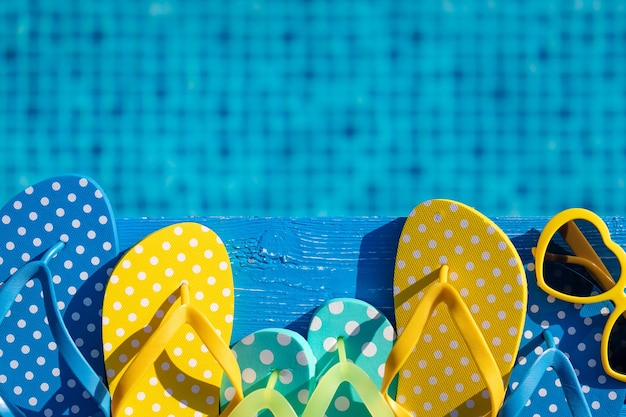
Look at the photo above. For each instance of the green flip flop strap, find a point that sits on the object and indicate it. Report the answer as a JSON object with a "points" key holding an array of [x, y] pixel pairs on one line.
{"points": [[341, 372], [346, 372], [263, 399]]}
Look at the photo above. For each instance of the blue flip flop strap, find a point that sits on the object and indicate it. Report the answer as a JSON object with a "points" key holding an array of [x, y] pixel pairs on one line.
{"points": [[67, 348], [8, 409], [556, 359]]}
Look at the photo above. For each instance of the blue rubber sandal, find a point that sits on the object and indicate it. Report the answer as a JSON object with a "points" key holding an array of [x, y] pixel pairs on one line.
{"points": [[578, 330], [551, 357], [58, 240]]}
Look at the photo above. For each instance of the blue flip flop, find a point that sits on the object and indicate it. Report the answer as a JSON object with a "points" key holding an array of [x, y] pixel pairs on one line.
{"points": [[550, 359], [58, 241], [577, 330]]}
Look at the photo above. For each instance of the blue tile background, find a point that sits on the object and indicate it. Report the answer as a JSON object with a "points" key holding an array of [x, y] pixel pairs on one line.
{"points": [[318, 107]]}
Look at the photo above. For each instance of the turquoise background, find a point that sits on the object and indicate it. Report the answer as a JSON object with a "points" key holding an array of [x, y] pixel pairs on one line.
{"points": [[305, 108]]}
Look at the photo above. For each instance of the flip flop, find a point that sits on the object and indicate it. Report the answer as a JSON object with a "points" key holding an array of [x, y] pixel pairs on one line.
{"points": [[277, 367], [460, 303], [351, 341], [565, 380], [58, 239], [167, 322], [578, 329]]}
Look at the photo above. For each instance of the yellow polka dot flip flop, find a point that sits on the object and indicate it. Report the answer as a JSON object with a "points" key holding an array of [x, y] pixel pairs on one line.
{"points": [[460, 303], [167, 322]]}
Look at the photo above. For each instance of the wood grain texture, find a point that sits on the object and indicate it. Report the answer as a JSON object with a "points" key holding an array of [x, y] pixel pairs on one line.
{"points": [[284, 268]]}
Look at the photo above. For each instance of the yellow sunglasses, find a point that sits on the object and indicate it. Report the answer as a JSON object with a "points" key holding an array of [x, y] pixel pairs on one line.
{"points": [[576, 261]]}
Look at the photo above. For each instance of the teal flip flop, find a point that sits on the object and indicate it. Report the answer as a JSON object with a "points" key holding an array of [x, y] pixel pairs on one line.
{"points": [[277, 369], [351, 341], [550, 359], [58, 239]]}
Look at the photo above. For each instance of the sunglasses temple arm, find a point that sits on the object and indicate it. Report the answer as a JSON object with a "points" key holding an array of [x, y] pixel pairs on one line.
{"points": [[581, 246], [604, 280]]}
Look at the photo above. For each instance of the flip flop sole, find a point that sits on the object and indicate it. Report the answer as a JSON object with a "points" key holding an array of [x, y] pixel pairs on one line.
{"points": [[74, 210], [440, 377], [143, 288]]}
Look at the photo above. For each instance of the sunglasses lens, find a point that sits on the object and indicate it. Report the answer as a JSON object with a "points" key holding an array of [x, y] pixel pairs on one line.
{"points": [[570, 266], [617, 346]]}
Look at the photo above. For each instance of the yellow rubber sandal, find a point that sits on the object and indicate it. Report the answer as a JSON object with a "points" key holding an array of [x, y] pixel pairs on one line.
{"points": [[460, 302], [167, 321]]}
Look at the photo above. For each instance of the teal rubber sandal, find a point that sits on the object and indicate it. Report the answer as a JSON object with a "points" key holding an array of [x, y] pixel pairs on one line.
{"points": [[551, 358], [58, 240], [351, 341], [277, 369]]}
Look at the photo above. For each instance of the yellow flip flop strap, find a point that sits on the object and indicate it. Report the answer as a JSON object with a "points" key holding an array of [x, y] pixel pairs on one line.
{"points": [[156, 344], [442, 292], [582, 248]]}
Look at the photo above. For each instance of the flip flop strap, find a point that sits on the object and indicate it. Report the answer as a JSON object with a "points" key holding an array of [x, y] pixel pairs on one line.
{"points": [[263, 399], [9, 410], [364, 386], [157, 342], [67, 348], [442, 292], [556, 359]]}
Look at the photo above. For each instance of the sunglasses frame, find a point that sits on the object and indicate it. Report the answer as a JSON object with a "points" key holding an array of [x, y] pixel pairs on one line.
{"points": [[613, 291]]}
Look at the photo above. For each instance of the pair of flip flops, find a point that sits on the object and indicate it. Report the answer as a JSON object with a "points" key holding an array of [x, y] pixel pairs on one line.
{"points": [[336, 371], [67, 327], [171, 365]]}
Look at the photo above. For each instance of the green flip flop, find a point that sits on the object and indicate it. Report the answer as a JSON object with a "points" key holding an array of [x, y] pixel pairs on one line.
{"points": [[351, 341], [277, 369]]}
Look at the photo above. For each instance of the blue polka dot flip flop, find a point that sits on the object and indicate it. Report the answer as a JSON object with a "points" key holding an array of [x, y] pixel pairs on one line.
{"points": [[351, 341], [550, 359], [578, 331], [167, 319], [277, 368], [460, 302], [58, 238]]}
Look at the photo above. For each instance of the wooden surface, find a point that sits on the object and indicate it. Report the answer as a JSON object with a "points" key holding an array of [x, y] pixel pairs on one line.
{"points": [[285, 267]]}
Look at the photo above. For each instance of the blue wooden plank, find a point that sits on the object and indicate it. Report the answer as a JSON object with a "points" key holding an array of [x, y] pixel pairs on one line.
{"points": [[284, 268]]}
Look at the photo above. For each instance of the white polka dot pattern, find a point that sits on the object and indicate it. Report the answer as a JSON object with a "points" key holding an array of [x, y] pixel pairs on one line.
{"points": [[440, 377], [577, 330], [143, 289], [368, 338], [73, 210], [268, 350]]}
